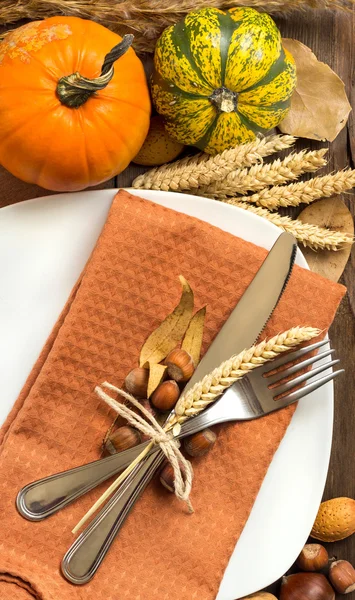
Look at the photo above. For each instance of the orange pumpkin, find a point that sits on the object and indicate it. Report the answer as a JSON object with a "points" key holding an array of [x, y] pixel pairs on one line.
{"points": [[74, 103]]}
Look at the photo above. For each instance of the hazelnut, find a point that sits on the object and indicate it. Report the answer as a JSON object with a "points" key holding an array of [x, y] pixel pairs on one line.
{"points": [[310, 586], [136, 382], [166, 395], [180, 365], [200, 443], [167, 477], [313, 557], [342, 576], [123, 438]]}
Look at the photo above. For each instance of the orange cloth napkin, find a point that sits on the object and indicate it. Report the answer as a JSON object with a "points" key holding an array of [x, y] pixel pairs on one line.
{"points": [[129, 285]]}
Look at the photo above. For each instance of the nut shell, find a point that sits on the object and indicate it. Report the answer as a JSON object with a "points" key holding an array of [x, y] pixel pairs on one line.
{"points": [[313, 557], [158, 147], [306, 586], [200, 443], [136, 382], [123, 438], [180, 365], [166, 395], [167, 477], [335, 520], [342, 576]]}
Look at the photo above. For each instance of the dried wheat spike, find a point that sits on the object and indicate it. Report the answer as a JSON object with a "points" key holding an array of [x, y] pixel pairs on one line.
{"points": [[312, 236], [303, 192], [215, 383], [146, 19], [192, 172], [260, 176]]}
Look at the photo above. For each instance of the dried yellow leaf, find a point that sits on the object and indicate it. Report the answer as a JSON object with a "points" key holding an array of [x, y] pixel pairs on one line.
{"points": [[331, 213], [319, 105], [156, 375], [170, 332], [192, 341]]}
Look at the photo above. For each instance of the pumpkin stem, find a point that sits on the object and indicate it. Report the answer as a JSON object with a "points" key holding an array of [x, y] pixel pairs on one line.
{"points": [[75, 89], [224, 99]]}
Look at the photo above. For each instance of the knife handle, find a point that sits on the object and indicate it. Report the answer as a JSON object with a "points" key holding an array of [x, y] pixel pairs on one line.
{"points": [[86, 554]]}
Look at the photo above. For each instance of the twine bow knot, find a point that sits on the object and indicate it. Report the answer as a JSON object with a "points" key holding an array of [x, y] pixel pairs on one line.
{"points": [[162, 436]]}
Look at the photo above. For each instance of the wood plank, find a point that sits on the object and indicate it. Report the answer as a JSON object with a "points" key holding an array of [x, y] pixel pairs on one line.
{"points": [[13, 190]]}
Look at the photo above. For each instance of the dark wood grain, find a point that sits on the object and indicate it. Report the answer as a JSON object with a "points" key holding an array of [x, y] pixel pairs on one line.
{"points": [[12, 190], [331, 36]]}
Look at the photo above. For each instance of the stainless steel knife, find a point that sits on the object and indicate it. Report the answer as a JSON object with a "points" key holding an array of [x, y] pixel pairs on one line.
{"points": [[45, 497]]}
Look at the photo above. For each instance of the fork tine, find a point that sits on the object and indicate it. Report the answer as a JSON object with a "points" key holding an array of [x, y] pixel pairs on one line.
{"points": [[307, 389], [289, 385], [290, 357], [301, 365]]}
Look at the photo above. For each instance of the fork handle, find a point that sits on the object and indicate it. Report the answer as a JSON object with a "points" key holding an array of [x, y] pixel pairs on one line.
{"points": [[86, 554], [44, 497]]}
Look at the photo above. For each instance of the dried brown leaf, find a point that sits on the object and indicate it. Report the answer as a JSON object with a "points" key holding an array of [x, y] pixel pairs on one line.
{"points": [[319, 105], [170, 332], [192, 341], [334, 214], [156, 375]]}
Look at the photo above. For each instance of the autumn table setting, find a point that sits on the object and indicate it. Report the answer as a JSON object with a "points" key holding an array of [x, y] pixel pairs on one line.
{"points": [[176, 240]]}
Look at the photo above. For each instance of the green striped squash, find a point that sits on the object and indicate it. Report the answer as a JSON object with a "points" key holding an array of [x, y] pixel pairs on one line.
{"points": [[221, 77]]}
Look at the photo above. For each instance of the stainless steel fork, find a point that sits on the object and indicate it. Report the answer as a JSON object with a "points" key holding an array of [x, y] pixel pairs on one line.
{"points": [[40, 499], [257, 394]]}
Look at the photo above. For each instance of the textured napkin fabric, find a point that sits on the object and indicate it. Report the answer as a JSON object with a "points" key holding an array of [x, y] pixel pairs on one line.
{"points": [[128, 287]]}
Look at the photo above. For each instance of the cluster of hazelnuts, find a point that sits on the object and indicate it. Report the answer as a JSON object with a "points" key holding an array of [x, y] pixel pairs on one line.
{"points": [[179, 369], [319, 577]]}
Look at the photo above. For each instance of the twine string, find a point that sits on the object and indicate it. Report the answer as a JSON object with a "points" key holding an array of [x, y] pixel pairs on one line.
{"points": [[149, 426]]}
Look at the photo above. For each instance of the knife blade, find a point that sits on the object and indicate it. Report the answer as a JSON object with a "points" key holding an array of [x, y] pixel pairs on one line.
{"points": [[255, 307], [44, 497]]}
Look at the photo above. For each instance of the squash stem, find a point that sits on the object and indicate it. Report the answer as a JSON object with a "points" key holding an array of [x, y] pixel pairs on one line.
{"points": [[75, 89], [224, 99]]}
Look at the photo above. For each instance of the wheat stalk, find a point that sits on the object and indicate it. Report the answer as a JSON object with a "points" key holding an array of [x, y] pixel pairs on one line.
{"points": [[303, 192], [209, 388], [311, 236], [203, 169], [146, 19], [259, 176]]}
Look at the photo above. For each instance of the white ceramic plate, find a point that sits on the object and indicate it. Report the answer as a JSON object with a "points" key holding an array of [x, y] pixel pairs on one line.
{"points": [[44, 244]]}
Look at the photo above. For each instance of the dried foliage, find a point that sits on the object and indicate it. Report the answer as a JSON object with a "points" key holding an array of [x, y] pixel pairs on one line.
{"points": [[319, 105], [303, 192], [145, 18], [202, 169], [259, 176], [330, 213], [310, 235]]}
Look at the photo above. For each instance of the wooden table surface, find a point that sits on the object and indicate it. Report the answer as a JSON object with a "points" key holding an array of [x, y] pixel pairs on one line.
{"points": [[331, 36]]}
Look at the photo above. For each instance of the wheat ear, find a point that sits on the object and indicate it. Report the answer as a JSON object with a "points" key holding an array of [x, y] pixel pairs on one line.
{"points": [[215, 383], [303, 192], [312, 236], [202, 169], [146, 19], [259, 176]]}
